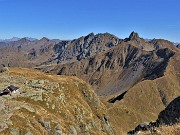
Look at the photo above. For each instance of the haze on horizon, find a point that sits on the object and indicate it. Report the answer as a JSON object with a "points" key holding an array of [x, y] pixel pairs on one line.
{"points": [[69, 19]]}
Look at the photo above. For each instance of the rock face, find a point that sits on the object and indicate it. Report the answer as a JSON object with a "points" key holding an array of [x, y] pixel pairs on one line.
{"points": [[85, 46], [171, 114], [133, 36], [178, 46], [51, 105], [168, 117]]}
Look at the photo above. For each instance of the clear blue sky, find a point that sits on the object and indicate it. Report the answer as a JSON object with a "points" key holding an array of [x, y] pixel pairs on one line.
{"points": [[68, 19]]}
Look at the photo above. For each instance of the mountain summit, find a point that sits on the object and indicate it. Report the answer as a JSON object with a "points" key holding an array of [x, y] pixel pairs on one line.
{"points": [[134, 36], [44, 39]]}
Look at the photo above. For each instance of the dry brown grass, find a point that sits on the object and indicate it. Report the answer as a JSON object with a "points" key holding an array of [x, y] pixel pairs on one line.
{"points": [[73, 103]]}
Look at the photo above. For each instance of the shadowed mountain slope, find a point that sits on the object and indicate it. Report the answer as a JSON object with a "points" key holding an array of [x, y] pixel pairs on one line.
{"points": [[145, 100], [178, 46], [171, 114], [167, 122]]}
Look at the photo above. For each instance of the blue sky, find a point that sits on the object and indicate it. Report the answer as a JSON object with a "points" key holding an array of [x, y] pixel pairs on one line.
{"points": [[69, 19]]}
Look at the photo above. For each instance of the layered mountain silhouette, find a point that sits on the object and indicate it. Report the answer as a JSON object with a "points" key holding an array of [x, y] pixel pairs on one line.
{"points": [[57, 51]]}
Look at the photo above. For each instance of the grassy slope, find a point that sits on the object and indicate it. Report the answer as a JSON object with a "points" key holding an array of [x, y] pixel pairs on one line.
{"points": [[66, 104], [144, 101]]}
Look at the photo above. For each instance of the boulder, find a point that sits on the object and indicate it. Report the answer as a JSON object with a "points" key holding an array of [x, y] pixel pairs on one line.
{"points": [[4, 69]]}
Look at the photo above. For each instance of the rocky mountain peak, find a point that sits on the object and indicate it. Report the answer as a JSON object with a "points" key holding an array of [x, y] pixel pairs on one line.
{"points": [[44, 39], [23, 40], [134, 36], [89, 36]]}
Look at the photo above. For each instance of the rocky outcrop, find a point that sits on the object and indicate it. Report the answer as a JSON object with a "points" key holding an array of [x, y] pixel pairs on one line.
{"points": [[4, 69], [171, 114], [32, 54], [178, 46], [168, 117], [85, 46], [133, 36], [161, 43]]}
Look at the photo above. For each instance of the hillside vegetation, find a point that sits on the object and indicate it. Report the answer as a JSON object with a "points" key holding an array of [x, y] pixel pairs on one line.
{"points": [[50, 105]]}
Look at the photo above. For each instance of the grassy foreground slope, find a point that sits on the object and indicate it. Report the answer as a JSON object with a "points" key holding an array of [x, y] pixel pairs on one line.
{"points": [[48, 104]]}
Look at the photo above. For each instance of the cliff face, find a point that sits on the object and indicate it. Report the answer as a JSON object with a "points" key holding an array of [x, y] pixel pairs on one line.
{"points": [[171, 114], [85, 46], [50, 104]]}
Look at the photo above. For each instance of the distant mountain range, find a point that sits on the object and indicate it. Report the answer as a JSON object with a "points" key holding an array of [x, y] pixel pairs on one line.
{"points": [[10, 40], [34, 39], [16, 39], [176, 43]]}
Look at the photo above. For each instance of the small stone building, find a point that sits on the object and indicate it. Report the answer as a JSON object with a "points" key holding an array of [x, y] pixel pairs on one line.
{"points": [[10, 90]]}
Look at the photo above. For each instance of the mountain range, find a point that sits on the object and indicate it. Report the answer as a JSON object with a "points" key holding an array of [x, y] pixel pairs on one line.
{"points": [[16, 39], [125, 82]]}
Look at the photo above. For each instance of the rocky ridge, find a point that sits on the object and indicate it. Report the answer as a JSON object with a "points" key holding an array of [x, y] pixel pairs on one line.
{"points": [[26, 53], [127, 63], [33, 53]]}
